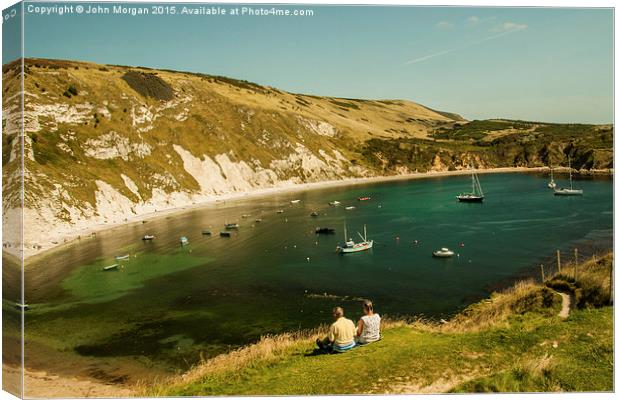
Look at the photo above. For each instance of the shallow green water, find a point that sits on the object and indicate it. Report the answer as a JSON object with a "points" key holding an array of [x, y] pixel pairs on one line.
{"points": [[169, 304]]}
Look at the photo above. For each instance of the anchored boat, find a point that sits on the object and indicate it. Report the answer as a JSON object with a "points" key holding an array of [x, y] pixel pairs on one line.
{"points": [[551, 184], [476, 195], [351, 247], [334, 203], [148, 237], [110, 267], [568, 191], [231, 226], [119, 258], [444, 252], [184, 240], [324, 231]]}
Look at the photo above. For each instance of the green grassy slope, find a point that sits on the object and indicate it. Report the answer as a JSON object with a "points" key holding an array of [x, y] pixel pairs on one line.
{"points": [[513, 342]]}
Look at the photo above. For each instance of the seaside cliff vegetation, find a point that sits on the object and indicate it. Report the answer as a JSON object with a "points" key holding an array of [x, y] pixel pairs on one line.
{"points": [[518, 340]]}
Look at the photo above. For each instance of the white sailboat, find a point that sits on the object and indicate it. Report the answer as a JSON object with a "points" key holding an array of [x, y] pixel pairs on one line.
{"points": [[551, 183], [476, 195], [568, 191], [351, 247]]}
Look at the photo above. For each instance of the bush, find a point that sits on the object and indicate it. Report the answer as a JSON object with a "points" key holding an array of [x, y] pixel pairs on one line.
{"points": [[73, 90]]}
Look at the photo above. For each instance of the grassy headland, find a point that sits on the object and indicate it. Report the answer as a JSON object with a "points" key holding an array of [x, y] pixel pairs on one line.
{"points": [[515, 341]]}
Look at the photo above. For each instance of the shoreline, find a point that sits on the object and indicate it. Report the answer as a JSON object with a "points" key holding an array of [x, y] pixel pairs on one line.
{"points": [[73, 237]]}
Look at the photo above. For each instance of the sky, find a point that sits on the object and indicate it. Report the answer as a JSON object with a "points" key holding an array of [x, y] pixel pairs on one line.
{"points": [[538, 64]]}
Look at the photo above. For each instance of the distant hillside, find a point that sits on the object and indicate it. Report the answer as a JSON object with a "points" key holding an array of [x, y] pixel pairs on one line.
{"points": [[104, 142]]}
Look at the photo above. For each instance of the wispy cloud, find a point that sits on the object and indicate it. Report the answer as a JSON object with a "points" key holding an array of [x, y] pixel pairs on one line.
{"points": [[509, 26], [502, 30], [444, 25], [473, 20]]}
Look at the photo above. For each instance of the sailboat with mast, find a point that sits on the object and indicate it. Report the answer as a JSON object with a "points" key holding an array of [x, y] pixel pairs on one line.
{"points": [[476, 195], [568, 191], [551, 183], [351, 247]]}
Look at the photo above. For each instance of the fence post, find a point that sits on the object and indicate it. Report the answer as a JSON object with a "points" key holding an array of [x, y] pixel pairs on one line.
{"points": [[542, 272], [559, 263], [575, 267]]}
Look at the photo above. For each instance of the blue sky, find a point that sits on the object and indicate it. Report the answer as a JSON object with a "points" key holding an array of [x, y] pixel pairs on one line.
{"points": [[524, 63]]}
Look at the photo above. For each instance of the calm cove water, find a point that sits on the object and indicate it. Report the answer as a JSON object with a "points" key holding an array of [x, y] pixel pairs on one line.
{"points": [[168, 304]]}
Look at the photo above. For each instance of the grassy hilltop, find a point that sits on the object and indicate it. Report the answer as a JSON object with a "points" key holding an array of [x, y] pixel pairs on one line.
{"points": [[515, 341], [105, 142]]}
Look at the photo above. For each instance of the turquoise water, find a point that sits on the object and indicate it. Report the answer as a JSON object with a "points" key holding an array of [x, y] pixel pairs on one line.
{"points": [[168, 303]]}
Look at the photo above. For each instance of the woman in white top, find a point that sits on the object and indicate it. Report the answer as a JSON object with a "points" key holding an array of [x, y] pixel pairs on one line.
{"points": [[369, 326]]}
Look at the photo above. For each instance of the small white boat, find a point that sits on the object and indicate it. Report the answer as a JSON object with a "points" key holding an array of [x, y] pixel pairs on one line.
{"points": [[184, 240], [350, 208], [314, 214], [110, 267], [22, 306], [295, 201], [476, 195], [231, 226], [119, 258], [444, 252], [245, 215], [280, 211], [568, 191], [258, 220], [350, 246], [334, 203], [148, 237], [551, 184]]}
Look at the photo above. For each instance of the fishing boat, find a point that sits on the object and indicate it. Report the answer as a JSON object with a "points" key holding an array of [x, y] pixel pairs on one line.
{"points": [[314, 214], [231, 226], [350, 208], [184, 240], [444, 252], [351, 247], [551, 184], [568, 191], [295, 201], [206, 232], [334, 203], [225, 234], [148, 237], [365, 198], [476, 195], [324, 230], [124, 257], [111, 267]]}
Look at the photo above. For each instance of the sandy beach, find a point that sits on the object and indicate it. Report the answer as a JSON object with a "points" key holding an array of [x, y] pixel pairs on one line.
{"points": [[58, 243]]}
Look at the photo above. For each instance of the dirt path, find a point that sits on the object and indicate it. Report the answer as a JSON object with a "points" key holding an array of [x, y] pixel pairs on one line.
{"points": [[42, 384], [566, 301]]}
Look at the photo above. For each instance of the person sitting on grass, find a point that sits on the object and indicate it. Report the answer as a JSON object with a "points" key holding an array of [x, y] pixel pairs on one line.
{"points": [[341, 334], [369, 326]]}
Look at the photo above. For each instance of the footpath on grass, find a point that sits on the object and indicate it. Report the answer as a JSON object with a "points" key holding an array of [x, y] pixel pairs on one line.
{"points": [[520, 340]]}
